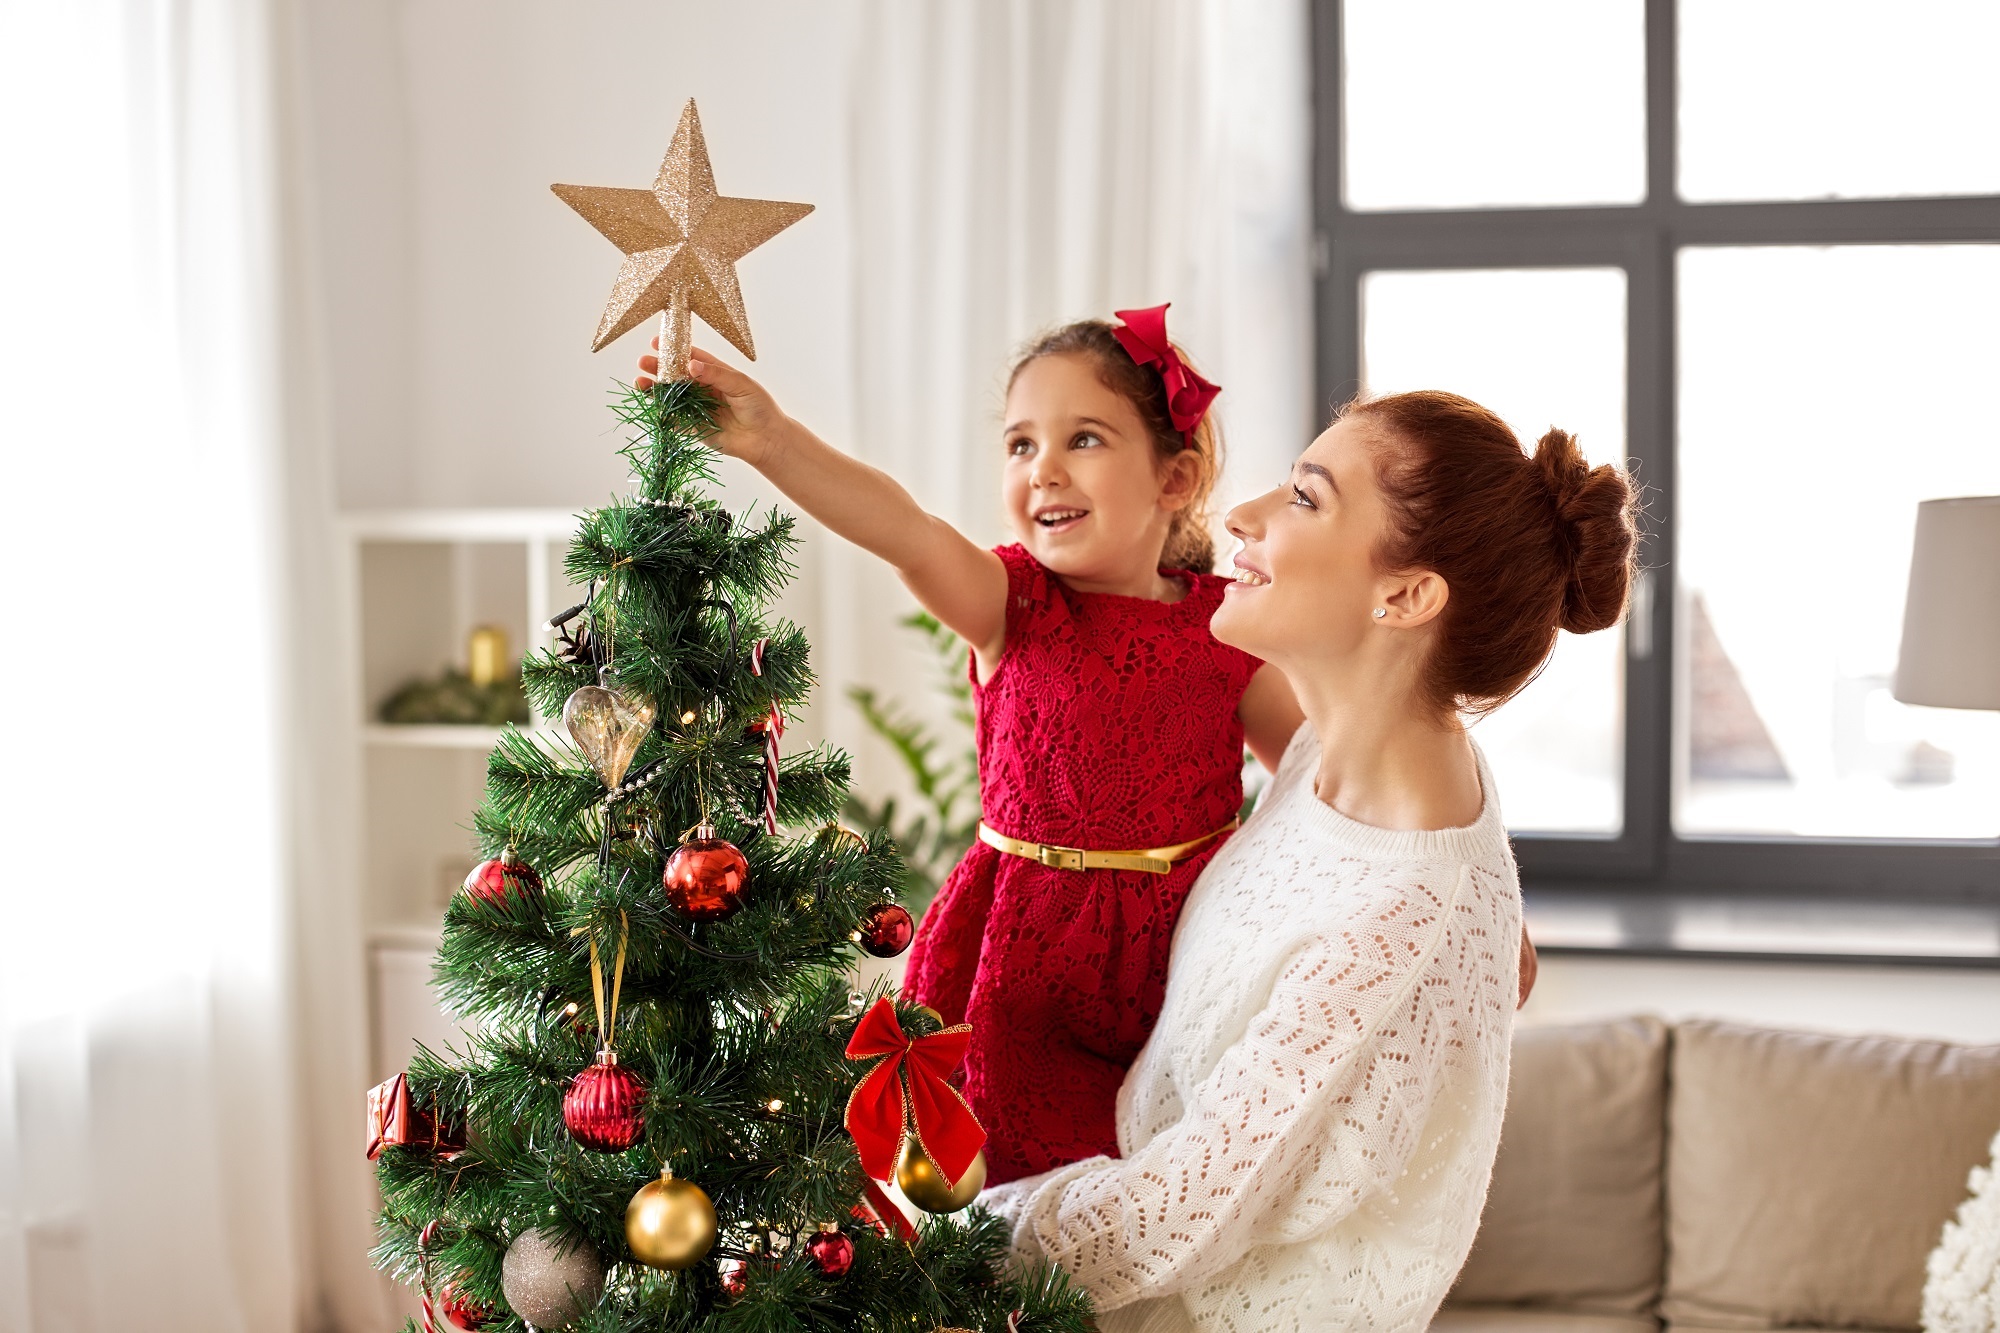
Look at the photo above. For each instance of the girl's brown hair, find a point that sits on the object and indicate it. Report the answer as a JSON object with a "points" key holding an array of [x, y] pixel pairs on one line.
{"points": [[1526, 545], [1190, 542]]}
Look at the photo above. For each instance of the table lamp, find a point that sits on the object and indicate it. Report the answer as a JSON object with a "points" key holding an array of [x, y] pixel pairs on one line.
{"points": [[1951, 620]]}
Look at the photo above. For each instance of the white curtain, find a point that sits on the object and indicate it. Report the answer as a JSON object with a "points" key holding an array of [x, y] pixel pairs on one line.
{"points": [[1018, 163], [156, 489]]}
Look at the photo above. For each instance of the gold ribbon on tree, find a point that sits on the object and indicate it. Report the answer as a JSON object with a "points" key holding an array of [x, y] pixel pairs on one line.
{"points": [[607, 1026]]}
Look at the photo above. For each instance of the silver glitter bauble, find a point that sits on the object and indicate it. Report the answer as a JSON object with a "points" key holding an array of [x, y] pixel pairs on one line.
{"points": [[549, 1283]]}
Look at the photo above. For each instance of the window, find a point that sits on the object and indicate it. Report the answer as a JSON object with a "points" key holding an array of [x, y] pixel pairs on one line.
{"points": [[1754, 250]]}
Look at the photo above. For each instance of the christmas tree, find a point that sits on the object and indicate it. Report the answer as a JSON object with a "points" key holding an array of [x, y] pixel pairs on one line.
{"points": [[662, 1118]]}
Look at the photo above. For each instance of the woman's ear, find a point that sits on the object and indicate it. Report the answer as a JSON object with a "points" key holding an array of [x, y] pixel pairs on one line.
{"points": [[1414, 600], [1179, 476]]}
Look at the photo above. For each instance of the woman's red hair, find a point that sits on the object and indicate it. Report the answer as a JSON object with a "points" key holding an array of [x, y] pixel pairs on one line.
{"points": [[1526, 544]]}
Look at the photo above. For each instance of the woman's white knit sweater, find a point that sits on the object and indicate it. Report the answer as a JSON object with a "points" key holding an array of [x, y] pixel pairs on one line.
{"points": [[1308, 1136]]}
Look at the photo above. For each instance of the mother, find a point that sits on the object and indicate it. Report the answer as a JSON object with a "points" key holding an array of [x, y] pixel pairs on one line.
{"points": [[1307, 1137]]}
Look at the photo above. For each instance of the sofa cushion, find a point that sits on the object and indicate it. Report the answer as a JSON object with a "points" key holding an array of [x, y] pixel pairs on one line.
{"points": [[1513, 1319], [1809, 1176], [1572, 1219]]}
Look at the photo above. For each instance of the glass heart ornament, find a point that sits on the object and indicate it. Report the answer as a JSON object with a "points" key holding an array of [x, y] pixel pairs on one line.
{"points": [[607, 723]]}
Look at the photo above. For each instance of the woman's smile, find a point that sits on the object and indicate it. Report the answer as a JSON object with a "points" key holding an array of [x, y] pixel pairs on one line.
{"points": [[1245, 575]]}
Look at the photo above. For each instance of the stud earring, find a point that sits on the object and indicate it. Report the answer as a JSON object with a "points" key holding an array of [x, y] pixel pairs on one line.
{"points": [[1381, 611]]}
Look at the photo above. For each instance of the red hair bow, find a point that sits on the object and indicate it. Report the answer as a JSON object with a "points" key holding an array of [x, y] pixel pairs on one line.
{"points": [[1144, 338], [946, 1129]]}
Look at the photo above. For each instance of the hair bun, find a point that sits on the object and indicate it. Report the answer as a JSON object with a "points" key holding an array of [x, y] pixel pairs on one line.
{"points": [[1594, 517]]}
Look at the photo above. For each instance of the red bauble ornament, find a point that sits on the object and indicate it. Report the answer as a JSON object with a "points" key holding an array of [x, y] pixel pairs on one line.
{"points": [[886, 931], [603, 1107], [465, 1310], [503, 878], [706, 877], [831, 1252], [735, 1277]]}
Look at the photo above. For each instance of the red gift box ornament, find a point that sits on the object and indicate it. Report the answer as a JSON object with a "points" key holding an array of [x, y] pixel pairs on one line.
{"points": [[878, 1111], [394, 1122]]}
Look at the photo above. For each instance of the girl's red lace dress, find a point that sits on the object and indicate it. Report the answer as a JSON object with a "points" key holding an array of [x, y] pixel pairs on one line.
{"points": [[1110, 723]]}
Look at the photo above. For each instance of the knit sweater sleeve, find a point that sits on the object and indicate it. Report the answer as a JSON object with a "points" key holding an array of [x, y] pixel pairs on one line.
{"points": [[1316, 1108]]}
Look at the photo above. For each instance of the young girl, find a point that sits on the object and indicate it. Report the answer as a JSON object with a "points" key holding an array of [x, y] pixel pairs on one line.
{"points": [[1111, 725]]}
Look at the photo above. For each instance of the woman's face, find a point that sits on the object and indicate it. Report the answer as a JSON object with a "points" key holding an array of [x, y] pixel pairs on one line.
{"points": [[1306, 582]]}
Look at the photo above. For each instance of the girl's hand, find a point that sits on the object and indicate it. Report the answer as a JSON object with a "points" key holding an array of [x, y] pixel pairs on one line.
{"points": [[748, 422]]}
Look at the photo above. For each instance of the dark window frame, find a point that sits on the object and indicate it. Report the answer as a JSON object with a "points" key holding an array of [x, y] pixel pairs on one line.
{"points": [[1647, 858]]}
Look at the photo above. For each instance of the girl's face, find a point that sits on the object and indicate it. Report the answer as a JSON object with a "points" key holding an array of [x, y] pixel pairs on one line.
{"points": [[1306, 584], [1085, 488]]}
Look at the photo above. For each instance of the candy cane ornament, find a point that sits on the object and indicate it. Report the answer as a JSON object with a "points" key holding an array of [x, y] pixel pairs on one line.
{"points": [[773, 727]]}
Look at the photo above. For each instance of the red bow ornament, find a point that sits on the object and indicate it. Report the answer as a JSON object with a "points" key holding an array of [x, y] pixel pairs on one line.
{"points": [[1144, 338], [878, 1111]]}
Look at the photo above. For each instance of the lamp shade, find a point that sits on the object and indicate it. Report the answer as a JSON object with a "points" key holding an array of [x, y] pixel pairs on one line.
{"points": [[1951, 619]]}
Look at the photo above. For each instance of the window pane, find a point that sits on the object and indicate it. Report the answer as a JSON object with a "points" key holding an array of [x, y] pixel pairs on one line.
{"points": [[1817, 99], [1469, 104], [1823, 392], [1540, 347]]}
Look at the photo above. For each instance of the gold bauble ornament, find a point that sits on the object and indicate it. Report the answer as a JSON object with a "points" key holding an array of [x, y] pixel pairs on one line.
{"points": [[923, 1184], [670, 1223]]}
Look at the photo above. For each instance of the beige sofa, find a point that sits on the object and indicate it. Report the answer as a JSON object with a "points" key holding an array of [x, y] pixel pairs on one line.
{"points": [[1710, 1176]]}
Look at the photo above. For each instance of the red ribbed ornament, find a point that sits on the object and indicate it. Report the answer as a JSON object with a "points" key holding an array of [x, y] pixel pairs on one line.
{"points": [[465, 1310], [887, 930], [706, 876], [502, 878], [831, 1253], [603, 1106]]}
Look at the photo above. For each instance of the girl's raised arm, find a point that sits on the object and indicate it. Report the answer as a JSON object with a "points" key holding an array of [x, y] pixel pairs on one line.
{"points": [[962, 584]]}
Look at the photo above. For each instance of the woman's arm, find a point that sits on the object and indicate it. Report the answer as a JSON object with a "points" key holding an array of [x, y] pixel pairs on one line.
{"points": [[1271, 714], [1314, 1111], [962, 584]]}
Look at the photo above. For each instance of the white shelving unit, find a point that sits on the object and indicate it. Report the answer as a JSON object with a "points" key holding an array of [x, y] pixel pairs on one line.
{"points": [[415, 584]]}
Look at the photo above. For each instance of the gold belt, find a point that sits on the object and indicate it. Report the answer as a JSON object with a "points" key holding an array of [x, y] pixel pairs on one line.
{"points": [[1151, 860]]}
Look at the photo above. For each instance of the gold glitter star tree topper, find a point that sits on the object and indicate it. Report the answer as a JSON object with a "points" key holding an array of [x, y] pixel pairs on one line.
{"points": [[681, 242]]}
